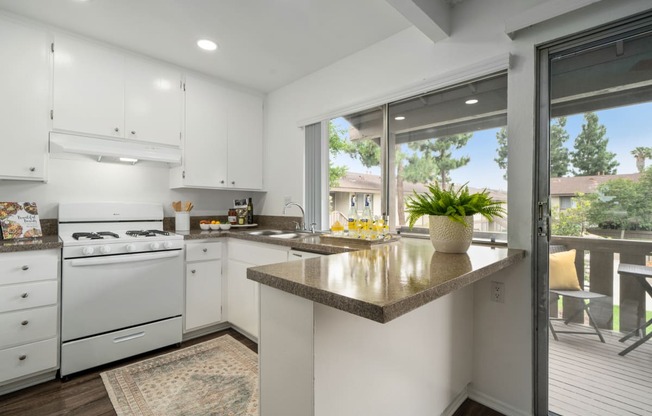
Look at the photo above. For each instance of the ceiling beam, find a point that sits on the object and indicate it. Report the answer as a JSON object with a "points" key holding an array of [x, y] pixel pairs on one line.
{"points": [[432, 17], [542, 12]]}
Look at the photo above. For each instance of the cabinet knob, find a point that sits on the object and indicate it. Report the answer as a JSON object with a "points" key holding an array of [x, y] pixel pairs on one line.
{"points": [[205, 250], [116, 129], [232, 182], [222, 181], [25, 322], [193, 271], [133, 132], [32, 169], [26, 267], [24, 295], [22, 357]]}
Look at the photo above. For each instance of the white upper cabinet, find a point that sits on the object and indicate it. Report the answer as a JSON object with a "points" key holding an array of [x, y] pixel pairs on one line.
{"points": [[103, 92], [24, 104], [223, 138], [88, 88], [205, 142], [153, 99], [245, 120]]}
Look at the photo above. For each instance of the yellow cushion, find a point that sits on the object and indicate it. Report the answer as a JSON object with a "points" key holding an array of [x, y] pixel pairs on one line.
{"points": [[563, 275]]}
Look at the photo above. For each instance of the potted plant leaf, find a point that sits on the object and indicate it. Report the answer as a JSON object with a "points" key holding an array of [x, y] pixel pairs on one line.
{"points": [[451, 213]]}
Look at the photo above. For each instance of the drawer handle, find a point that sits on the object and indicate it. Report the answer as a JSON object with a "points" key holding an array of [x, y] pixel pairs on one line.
{"points": [[25, 267], [205, 250], [24, 295], [193, 271], [25, 322], [129, 337], [22, 357]]}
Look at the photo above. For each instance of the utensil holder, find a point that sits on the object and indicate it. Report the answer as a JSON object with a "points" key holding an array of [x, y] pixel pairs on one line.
{"points": [[182, 221]]}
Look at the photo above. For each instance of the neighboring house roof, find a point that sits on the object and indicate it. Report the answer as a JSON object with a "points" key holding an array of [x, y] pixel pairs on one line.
{"points": [[569, 186], [354, 182]]}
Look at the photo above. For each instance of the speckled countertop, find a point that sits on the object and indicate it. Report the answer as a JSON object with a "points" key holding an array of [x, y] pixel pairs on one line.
{"points": [[308, 243], [44, 243], [388, 281]]}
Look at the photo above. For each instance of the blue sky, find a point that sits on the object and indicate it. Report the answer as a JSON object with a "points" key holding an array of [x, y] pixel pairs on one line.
{"points": [[627, 127]]}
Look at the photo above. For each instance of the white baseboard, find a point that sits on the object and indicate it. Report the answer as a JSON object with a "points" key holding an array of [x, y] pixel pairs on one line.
{"points": [[456, 403], [495, 404]]}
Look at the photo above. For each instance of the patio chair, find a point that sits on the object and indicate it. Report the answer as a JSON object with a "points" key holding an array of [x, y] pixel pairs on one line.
{"points": [[564, 282]]}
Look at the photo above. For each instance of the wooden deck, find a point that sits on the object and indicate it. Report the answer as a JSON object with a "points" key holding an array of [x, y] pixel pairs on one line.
{"points": [[588, 377]]}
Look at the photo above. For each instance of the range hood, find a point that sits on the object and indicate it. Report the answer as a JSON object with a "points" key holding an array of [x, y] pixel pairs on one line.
{"points": [[83, 145]]}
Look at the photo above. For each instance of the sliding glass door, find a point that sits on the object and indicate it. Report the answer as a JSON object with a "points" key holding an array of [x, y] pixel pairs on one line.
{"points": [[594, 216]]}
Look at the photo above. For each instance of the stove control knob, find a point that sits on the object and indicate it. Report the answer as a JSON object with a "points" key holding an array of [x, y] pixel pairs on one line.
{"points": [[130, 248], [105, 249], [87, 251], [154, 246], [167, 245]]}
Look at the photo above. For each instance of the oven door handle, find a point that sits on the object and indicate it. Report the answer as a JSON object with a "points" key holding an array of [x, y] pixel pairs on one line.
{"points": [[130, 258]]}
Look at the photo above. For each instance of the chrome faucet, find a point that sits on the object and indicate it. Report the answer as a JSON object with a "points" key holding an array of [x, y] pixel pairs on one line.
{"points": [[301, 226]]}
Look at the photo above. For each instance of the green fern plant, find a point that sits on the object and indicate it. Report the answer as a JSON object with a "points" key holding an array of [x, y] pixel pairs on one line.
{"points": [[455, 204]]}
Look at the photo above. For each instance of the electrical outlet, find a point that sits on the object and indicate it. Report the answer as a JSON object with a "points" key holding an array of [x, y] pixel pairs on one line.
{"points": [[498, 292]]}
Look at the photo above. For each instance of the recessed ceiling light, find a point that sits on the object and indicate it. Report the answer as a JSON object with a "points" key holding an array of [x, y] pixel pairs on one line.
{"points": [[207, 45], [471, 101], [399, 118], [128, 160]]}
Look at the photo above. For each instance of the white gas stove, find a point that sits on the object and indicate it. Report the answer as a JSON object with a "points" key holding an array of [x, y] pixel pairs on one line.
{"points": [[122, 283]]}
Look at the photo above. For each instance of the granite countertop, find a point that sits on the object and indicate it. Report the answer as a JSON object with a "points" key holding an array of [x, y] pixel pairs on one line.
{"points": [[307, 243], [43, 243], [388, 281]]}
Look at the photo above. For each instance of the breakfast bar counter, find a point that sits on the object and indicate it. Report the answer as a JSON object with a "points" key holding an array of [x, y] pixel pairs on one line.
{"points": [[382, 331]]}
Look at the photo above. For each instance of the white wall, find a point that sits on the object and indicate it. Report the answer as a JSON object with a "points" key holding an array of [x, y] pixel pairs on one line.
{"points": [[503, 373], [85, 180]]}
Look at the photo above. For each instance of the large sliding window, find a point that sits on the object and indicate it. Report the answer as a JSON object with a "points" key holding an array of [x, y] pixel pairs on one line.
{"points": [[453, 136]]}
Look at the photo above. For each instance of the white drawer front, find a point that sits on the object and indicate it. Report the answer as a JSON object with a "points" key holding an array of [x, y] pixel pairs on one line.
{"points": [[91, 352], [23, 326], [28, 295], [258, 254], [203, 251], [28, 267], [27, 359]]}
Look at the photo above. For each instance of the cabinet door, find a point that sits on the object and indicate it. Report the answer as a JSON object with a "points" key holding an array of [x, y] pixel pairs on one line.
{"points": [[204, 148], [152, 102], [24, 106], [203, 294], [245, 141], [88, 88], [242, 299]]}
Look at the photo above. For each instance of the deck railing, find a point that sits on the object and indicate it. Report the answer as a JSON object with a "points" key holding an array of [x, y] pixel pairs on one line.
{"points": [[601, 274]]}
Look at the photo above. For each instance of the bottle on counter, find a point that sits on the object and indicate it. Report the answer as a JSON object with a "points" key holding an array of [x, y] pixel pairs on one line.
{"points": [[353, 219], [233, 216], [366, 221], [250, 211]]}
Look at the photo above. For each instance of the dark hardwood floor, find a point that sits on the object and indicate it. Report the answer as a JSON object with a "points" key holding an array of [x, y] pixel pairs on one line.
{"points": [[84, 394]]}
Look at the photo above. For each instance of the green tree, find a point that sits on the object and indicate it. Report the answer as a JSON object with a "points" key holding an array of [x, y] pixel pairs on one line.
{"points": [[591, 156], [572, 221], [337, 144], [439, 153], [559, 155], [640, 154], [501, 150], [619, 204]]}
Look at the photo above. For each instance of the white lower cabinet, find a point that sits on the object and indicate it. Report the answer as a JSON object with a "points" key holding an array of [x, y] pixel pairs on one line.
{"points": [[29, 317], [203, 285], [243, 294]]}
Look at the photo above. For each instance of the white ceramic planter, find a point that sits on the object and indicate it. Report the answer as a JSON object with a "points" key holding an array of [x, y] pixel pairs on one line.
{"points": [[448, 236]]}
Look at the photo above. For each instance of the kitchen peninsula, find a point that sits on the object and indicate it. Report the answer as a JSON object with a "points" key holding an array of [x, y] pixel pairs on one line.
{"points": [[383, 331]]}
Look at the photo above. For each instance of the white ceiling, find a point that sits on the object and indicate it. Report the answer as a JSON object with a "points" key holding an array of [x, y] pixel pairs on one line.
{"points": [[263, 44]]}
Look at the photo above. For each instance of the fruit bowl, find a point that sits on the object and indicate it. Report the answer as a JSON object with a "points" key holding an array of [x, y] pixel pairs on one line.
{"points": [[205, 226], [225, 227], [215, 226]]}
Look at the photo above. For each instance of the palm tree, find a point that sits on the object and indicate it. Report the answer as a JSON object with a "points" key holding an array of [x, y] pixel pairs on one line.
{"points": [[642, 153]]}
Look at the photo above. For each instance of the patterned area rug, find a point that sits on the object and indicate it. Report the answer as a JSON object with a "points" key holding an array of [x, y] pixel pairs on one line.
{"points": [[216, 377]]}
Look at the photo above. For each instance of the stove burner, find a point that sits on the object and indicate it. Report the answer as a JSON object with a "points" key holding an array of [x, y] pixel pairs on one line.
{"points": [[94, 236], [146, 233]]}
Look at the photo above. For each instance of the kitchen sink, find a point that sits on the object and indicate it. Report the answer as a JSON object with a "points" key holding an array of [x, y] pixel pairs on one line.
{"points": [[290, 236], [266, 232]]}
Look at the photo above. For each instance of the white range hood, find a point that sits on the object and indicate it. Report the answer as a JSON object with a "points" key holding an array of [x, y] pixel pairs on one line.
{"points": [[119, 148]]}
